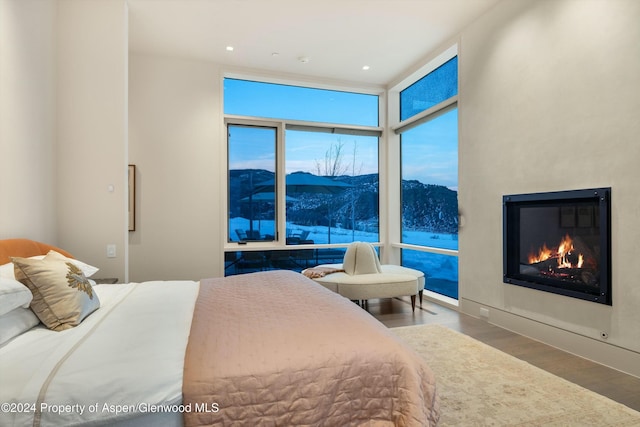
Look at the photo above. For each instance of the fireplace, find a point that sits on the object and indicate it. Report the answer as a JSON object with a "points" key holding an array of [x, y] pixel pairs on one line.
{"points": [[559, 242]]}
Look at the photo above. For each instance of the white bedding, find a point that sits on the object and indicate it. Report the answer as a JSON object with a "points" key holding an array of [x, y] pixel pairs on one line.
{"points": [[128, 348]]}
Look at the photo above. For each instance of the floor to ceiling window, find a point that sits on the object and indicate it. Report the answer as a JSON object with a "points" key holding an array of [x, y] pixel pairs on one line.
{"points": [[428, 139], [303, 174]]}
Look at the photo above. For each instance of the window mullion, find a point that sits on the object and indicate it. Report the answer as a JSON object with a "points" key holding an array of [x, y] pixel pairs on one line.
{"points": [[426, 115], [281, 209]]}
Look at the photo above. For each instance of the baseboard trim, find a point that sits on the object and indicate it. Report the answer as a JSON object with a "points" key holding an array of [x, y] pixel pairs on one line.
{"points": [[604, 353], [440, 299]]}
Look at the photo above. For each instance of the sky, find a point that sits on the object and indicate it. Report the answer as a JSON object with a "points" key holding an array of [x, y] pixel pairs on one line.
{"points": [[254, 148], [429, 151]]}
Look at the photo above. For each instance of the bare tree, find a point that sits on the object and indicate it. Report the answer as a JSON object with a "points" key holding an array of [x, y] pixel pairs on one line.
{"points": [[333, 164], [353, 163]]}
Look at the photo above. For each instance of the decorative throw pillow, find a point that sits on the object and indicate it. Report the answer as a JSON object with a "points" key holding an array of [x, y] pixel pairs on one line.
{"points": [[62, 295]]}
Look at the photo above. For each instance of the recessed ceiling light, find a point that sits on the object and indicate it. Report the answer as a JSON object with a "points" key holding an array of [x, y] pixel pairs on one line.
{"points": [[229, 48], [365, 67]]}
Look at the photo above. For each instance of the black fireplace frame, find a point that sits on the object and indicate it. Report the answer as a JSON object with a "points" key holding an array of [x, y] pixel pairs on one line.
{"points": [[511, 205]]}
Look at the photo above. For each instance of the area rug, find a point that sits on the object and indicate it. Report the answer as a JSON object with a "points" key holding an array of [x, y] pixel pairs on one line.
{"points": [[479, 385]]}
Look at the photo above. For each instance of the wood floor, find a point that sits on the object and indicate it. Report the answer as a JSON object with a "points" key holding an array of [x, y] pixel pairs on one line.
{"points": [[608, 382]]}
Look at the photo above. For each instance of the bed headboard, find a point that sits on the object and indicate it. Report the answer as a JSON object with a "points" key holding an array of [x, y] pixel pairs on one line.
{"points": [[25, 248]]}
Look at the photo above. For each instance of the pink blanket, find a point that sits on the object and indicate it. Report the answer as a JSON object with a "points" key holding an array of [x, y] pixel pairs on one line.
{"points": [[275, 348]]}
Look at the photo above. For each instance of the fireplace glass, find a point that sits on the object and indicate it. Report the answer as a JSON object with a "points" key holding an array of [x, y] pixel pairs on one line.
{"points": [[559, 242]]}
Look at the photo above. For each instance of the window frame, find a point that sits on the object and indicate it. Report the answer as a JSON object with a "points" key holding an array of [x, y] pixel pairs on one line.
{"points": [[276, 127], [396, 127], [444, 107], [282, 126]]}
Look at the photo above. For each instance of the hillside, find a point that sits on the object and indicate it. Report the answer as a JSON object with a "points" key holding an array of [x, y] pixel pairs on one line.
{"points": [[426, 207]]}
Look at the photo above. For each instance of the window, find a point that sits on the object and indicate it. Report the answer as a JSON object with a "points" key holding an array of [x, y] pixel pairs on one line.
{"points": [[320, 146], [332, 187], [437, 86], [238, 262], [429, 154], [429, 177], [441, 271], [251, 190], [259, 99]]}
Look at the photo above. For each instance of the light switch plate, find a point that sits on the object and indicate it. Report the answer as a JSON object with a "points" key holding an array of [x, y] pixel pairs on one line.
{"points": [[111, 251]]}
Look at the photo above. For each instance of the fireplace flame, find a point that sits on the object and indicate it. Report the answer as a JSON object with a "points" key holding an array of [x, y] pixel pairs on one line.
{"points": [[544, 253], [564, 254]]}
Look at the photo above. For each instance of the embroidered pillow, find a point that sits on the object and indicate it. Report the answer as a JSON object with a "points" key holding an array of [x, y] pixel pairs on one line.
{"points": [[62, 295]]}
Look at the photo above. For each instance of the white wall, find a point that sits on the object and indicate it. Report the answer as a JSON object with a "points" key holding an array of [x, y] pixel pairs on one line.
{"points": [[27, 120], [550, 100], [92, 57], [176, 139]]}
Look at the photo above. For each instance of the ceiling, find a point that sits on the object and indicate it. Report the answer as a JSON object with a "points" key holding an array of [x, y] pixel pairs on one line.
{"points": [[327, 39]]}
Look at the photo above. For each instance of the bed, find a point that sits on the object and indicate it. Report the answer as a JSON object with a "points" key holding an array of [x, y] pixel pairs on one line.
{"points": [[270, 348]]}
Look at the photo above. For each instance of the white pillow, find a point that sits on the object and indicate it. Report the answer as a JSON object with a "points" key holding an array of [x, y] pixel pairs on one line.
{"points": [[16, 322], [87, 269], [6, 270], [13, 294]]}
